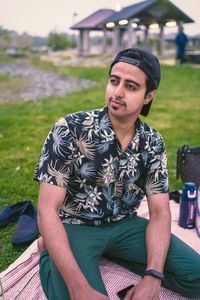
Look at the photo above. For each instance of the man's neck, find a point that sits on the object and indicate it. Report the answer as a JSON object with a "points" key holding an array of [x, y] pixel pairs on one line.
{"points": [[124, 129]]}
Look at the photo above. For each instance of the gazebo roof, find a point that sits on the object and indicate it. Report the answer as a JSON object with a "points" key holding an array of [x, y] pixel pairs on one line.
{"points": [[159, 11], [95, 20]]}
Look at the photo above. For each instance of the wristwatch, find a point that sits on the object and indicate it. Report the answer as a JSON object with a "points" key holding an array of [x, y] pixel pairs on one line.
{"points": [[154, 273]]}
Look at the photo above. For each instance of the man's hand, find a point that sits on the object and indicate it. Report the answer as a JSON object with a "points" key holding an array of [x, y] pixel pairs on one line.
{"points": [[147, 289]]}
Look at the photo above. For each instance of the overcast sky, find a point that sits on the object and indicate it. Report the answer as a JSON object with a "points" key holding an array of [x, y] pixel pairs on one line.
{"points": [[39, 17]]}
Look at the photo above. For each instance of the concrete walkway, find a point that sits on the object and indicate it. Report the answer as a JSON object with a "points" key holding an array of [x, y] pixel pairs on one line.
{"points": [[41, 84]]}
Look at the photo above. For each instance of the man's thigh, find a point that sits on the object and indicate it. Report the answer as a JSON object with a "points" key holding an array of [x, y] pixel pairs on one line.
{"points": [[88, 243], [129, 243], [128, 240]]}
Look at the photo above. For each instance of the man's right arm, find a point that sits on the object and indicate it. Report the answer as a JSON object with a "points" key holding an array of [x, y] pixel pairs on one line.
{"points": [[56, 242]]}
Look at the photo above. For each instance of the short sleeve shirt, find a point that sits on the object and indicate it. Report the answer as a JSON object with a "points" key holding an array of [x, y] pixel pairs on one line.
{"points": [[104, 184]]}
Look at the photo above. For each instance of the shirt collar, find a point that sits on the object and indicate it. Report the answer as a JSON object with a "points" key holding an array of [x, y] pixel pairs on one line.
{"points": [[105, 127], [108, 130]]}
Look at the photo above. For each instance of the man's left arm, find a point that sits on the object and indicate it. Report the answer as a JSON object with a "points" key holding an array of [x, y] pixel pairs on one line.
{"points": [[157, 244], [158, 231]]}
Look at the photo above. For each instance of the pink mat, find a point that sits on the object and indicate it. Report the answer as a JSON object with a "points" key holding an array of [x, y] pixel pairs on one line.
{"points": [[21, 279]]}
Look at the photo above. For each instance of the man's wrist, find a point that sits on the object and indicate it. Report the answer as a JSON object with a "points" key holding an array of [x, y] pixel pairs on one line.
{"points": [[154, 273]]}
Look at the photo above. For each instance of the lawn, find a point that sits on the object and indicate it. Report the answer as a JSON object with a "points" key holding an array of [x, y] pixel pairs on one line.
{"points": [[24, 126]]}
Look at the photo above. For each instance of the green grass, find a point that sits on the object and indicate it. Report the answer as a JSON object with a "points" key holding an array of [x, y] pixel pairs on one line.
{"points": [[24, 126]]}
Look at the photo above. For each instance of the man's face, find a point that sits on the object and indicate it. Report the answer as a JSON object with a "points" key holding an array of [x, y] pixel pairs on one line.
{"points": [[125, 91]]}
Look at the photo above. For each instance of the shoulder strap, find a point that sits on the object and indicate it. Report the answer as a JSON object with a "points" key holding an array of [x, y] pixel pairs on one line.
{"points": [[180, 157]]}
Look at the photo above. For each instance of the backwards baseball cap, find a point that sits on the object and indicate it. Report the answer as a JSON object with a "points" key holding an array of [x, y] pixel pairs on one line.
{"points": [[147, 62]]}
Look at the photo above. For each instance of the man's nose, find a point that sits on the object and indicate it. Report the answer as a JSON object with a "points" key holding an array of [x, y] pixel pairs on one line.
{"points": [[119, 92]]}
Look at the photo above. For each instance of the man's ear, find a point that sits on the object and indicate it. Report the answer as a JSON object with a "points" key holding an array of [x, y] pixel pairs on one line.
{"points": [[148, 98]]}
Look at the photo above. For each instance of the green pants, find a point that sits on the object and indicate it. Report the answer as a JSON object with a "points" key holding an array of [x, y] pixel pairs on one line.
{"points": [[124, 243]]}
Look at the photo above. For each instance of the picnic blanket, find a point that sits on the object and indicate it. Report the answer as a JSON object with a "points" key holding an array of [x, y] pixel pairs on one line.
{"points": [[20, 281]]}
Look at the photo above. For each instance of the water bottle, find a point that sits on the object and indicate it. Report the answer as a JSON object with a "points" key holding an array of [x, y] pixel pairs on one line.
{"points": [[198, 213], [188, 202]]}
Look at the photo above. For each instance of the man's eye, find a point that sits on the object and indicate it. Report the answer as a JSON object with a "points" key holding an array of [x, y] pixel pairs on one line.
{"points": [[131, 86], [114, 81]]}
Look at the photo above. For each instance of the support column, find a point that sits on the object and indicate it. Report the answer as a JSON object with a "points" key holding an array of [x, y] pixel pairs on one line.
{"points": [[86, 44], [131, 35], [146, 35], [104, 41], [121, 34], [116, 39], [80, 42], [83, 42], [161, 41]]}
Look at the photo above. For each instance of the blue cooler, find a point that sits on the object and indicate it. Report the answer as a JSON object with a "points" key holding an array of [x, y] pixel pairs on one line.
{"points": [[188, 203]]}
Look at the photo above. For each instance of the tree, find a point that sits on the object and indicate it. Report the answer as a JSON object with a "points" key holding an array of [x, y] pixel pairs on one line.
{"points": [[4, 39], [58, 41]]}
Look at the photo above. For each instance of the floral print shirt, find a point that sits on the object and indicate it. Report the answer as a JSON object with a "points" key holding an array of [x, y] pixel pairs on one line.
{"points": [[103, 183]]}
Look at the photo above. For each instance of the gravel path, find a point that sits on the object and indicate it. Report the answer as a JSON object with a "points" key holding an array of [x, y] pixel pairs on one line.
{"points": [[42, 84]]}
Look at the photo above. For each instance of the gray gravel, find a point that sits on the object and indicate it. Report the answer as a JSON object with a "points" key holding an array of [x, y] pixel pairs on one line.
{"points": [[43, 84]]}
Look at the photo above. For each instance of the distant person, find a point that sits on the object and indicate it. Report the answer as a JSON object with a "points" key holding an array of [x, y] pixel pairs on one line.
{"points": [[181, 42]]}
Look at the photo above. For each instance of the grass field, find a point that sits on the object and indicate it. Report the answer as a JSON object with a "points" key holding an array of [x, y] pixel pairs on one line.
{"points": [[23, 127]]}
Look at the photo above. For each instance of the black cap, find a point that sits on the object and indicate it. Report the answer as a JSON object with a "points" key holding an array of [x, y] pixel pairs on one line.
{"points": [[144, 60]]}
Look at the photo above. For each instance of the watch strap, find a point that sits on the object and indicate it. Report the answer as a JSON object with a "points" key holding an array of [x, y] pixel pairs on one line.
{"points": [[154, 273]]}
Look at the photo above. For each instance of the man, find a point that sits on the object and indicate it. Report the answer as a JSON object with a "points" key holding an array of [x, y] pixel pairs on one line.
{"points": [[95, 168], [181, 42]]}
